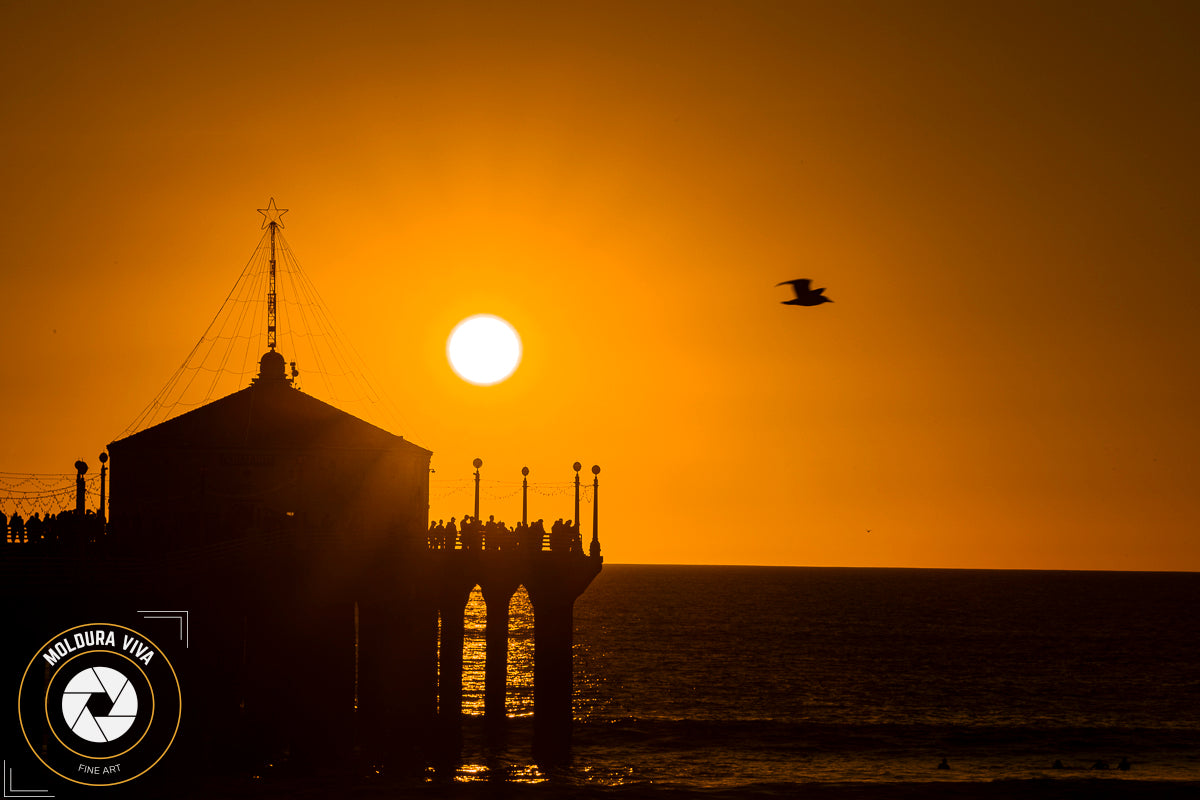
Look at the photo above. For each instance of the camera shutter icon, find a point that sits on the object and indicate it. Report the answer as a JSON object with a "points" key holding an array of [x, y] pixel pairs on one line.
{"points": [[99, 704]]}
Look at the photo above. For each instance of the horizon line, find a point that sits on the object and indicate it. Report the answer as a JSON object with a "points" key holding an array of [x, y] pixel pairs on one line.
{"points": [[946, 569]]}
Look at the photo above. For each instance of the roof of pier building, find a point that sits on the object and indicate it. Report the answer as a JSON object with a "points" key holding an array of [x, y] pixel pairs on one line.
{"points": [[268, 459], [269, 414]]}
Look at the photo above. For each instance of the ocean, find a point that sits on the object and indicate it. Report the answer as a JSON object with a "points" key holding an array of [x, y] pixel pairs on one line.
{"points": [[764, 681]]}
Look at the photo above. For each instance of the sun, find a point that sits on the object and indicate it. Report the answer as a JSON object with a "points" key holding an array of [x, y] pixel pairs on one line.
{"points": [[484, 349]]}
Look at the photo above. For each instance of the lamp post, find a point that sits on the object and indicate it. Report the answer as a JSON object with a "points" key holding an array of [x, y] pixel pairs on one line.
{"points": [[81, 469], [594, 548], [524, 496], [103, 473], [577, 466], [477, 463]]}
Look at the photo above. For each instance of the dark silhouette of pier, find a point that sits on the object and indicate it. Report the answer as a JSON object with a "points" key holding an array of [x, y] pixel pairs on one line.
{"points": [[297, 538], [306, 608], [553, 581]]}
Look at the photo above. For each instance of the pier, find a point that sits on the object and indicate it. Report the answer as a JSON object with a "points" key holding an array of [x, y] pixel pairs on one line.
{"points": [[377, 622], [325, 611], [554, 581]]}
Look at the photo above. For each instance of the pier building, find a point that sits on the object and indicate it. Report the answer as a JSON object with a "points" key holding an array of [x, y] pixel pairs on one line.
{"points": [[324, 621]]}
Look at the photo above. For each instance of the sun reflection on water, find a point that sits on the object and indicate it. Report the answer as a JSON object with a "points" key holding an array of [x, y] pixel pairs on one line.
{"points": [[519, 698], [509, 760], [506, 773]]}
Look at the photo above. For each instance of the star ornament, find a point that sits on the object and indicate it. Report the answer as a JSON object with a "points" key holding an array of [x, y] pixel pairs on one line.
{"points": [[271, 214]]}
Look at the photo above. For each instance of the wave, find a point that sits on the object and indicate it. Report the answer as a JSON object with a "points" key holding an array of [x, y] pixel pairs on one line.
{"points": [[767, 733]]}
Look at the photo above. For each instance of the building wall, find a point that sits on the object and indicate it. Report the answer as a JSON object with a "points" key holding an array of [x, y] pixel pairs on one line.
{"points": [[185, 497]]}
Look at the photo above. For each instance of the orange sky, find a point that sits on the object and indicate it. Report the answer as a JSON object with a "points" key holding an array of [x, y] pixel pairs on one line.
{"points": [[1001, 202]]}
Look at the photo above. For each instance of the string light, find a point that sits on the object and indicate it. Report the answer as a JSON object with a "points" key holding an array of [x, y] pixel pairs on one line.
{"points": [[226, 356], [27, 493]]}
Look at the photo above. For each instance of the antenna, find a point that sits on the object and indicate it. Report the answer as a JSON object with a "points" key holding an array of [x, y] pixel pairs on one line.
{"points": [[271, 218], [226, 359], [271, 296]]}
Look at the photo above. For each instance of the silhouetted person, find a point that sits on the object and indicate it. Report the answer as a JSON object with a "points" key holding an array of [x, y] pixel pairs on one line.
{"points": [[52, 528], [574, 537], [33, 528], [451, 534], [805, 296], [16, 527], [3, 528], [472, 534], [1124, 764], [944, 764], [537, 534], [477, 533], [1100, 764], [1058, 764]]}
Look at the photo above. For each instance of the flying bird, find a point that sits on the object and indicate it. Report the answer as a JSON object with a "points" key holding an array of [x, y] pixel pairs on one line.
{"points": [[805, 296]]}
